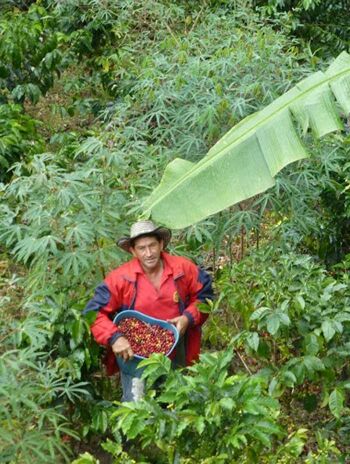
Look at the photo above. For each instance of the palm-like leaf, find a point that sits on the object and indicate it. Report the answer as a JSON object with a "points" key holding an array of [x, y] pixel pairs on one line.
{"points": [[244, 162]]}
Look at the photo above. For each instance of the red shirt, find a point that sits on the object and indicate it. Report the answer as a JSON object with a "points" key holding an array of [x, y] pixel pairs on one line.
{"points": [[162, 303]]}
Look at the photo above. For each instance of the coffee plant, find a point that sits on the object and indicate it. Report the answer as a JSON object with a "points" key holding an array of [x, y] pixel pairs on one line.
{"points": [[324, 24], [19, 138], [294, 314], [95, 99], [204, 403], [30, 54]]}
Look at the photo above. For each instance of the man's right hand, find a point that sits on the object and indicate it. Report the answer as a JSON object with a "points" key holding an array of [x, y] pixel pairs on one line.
{"points": [[121, 347]]}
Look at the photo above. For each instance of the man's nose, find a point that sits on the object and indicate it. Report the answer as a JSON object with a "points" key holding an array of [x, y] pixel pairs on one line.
{"points": [[148, 251]]}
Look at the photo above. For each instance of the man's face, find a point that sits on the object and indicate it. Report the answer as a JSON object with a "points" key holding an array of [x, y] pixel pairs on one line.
{"points": [[147, 250]]}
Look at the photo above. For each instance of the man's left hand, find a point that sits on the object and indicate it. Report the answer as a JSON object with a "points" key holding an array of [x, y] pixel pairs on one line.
{"points": [[181, 323]]}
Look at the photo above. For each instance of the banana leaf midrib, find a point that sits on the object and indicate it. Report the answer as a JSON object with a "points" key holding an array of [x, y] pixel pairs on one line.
{"points": [[203, 163]]}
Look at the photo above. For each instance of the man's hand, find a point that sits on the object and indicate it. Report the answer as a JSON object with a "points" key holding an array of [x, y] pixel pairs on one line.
{"points": [[181, 323], [121, 347]]}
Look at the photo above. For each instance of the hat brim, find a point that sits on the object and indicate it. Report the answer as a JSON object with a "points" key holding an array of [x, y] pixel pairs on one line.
{"points": [[162, 232]]}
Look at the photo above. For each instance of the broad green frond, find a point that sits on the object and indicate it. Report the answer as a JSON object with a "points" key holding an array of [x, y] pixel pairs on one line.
{"points": [[244, 162]]}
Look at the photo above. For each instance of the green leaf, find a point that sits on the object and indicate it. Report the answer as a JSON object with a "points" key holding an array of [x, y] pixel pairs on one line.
{"points": [[342, 317], [284, 318], [289, 378], [268, 426], [244, 162], [253, 340], [336, 402], [86, 458], [328, 330], [78, 331], [273, 324], [100, 421], [227, 403], [199, 425], [311, 345], [313, 363], [237, 440], [259, 313], [301, 302], [253, 407], [261, 436], [154, 367], [275, 388]]}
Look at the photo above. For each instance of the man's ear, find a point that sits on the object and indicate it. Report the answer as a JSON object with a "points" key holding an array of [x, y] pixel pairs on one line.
{"points": [[132, 251], [161, 242]]}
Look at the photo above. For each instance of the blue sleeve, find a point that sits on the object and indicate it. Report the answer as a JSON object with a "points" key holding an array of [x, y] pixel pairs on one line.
{"points": [[100, 299], [206, 293]]}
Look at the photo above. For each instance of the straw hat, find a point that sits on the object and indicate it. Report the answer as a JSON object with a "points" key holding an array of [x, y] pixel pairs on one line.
{"points": [[140, 228]]}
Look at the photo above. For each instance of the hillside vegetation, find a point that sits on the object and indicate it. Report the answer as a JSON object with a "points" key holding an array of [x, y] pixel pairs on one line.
{"points": [[96, 98]]}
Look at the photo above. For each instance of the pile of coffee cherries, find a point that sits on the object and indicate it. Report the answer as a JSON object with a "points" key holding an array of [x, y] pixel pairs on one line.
{"points": [[146, 339]]}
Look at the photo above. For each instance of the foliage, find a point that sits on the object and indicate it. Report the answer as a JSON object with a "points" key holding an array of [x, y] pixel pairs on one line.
{"points": [[324, 24], [65, 211], [46, 351], [115, 169], [86, 458], [295, 320], [92, 32], [29, 54], [19, 137], [189, 89], [32, 421], [307, 209], [136, 84], [204, 403], [36, 391], [244, 161], [317, 221]]}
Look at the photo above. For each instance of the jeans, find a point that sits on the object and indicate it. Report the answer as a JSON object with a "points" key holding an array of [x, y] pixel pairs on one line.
{"points": [[133, 387]]}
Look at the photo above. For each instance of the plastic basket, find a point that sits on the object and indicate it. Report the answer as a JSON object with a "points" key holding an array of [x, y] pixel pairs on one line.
{"points": [[131, 367]]}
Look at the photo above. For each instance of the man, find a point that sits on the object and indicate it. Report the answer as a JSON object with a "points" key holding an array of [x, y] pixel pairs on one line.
{"points": [[157, 284]]}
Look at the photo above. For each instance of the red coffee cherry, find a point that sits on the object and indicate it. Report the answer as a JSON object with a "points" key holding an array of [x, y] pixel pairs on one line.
{"points": [[146, 339]]}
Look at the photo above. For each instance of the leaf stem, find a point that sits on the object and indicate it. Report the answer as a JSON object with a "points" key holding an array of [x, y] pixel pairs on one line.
{"points": [[242, 361]]}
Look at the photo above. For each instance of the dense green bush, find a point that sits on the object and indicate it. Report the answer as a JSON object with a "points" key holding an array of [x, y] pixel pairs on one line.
{"points": [[183, 94], [325, 25], [19, 137], [29, 54], [32, 420], [165, 79], [295, 320], [192, 409], [309, 204], [34, 394]]}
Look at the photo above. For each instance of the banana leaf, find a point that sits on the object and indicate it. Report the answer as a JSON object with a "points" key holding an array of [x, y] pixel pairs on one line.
{"points": [[246, 159]]}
